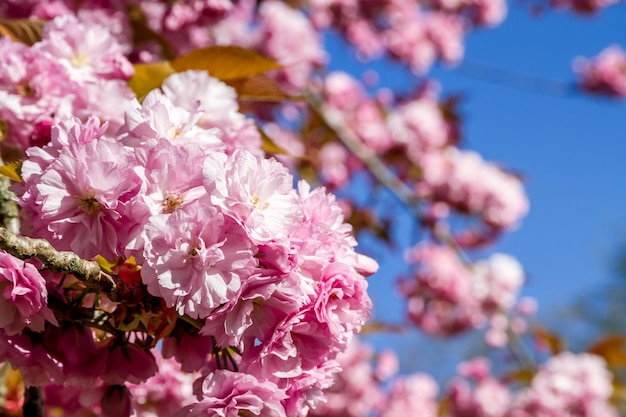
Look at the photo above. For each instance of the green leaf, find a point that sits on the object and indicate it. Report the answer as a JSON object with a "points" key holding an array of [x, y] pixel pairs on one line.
{"points": [[12, 171], [27, 31], [259, 88], [148, 77], [225, 62]]}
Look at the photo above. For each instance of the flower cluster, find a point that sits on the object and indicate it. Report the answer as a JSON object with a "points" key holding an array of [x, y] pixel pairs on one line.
{"points": [[409, 32], [584, 7], [420, 127], [218, 233], [568, 384], [77, 69], [24, 296], [604, 75], [233, 286], [447, 296]]}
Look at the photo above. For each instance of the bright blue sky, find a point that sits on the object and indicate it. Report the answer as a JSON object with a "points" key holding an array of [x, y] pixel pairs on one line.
{"points": [[571, 150]]}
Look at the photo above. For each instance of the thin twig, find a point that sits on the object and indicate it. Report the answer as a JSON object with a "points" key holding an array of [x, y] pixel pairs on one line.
{"points": [[519, 350], [387, 178], [382, 173]]}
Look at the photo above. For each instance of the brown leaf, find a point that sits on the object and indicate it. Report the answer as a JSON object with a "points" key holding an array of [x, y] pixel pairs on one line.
{"points": [[259, 88], [553, 341], [523, 376], [148, 77], [27, 31], [225, 62], [612, 348], [269, 146], [377, 327]]}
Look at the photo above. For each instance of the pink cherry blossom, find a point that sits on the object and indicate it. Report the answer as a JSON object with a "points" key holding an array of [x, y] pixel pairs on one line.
{"points": [[355, 391], [157, 119], [189, 349], [24, 296], [478, 394], [229, 394], [448, 296], [166, 392], [413, 395], [604, 74], [126, 362], [342, 301], [32, 90], [256, 192], [289, 37], [74, 346], [79, 200], [419, 125], [568, 384], [218, 104], [87, 52], [27, 354], [195, 258], [464, 180], [172, 179]]}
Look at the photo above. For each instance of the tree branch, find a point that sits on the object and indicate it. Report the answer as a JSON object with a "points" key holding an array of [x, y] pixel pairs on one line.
{"points": [[33, 402], [57, 261], [9, 212]]}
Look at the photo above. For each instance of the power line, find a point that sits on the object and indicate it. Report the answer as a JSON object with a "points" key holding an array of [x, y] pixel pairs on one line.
{"points": [[516, 79]]}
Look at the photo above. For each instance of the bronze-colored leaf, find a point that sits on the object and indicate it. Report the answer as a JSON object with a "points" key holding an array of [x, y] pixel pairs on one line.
{"points": [[259, 88], [553, 341], [612, 348], [523, 376], [148, 77], [225, 62], [12, 171], [377, 327], [27, 31], [269, 146], [618, 397]]}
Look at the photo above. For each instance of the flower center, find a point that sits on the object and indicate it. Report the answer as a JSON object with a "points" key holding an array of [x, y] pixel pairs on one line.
{"points": [[172, 202], [176, 131], [256, 201], [80, 60], [88, 203], [25, 90]]}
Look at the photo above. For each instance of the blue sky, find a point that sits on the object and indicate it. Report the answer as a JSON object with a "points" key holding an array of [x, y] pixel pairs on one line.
{"points": [[571, 150]]}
